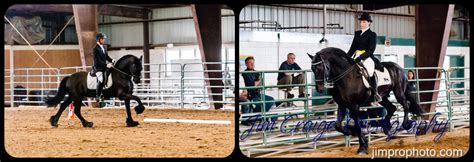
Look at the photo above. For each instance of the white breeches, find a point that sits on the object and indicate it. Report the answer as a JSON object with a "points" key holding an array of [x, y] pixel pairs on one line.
{"points": [[368, 64], [99, 76]]}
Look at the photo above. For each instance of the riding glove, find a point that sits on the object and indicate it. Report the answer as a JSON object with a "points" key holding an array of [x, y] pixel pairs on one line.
{"points": [[110, 65]]}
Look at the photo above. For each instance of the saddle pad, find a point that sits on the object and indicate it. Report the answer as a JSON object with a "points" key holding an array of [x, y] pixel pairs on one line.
{"points": [[92, 82], [383, 78]]}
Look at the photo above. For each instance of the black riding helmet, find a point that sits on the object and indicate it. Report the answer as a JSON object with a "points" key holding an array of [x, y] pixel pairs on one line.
{"points": [[100, 35], [365, 16]]}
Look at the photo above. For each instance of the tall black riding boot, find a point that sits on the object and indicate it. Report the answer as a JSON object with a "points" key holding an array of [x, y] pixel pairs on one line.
{"points": [[98, 91], [373, 84]]}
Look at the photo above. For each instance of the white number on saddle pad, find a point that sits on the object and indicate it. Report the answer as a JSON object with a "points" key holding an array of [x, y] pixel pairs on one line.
{"points": [[383, 78]]}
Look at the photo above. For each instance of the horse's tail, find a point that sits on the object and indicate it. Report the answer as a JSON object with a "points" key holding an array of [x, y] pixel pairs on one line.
{"points": [[414, 107], [53, 101]]}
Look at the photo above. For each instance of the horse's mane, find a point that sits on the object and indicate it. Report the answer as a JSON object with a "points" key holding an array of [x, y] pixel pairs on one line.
{"points": [[126, 57], [338, 52]]}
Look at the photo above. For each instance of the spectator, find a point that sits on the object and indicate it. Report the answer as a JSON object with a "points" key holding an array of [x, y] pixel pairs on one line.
{"points": [[411, 80], [291, 78], [253, 79]]}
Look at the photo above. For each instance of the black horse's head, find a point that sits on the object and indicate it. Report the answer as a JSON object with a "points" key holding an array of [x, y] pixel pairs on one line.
{"points": [[317, 66], [136, 69], [132, 66], [321, 64]]}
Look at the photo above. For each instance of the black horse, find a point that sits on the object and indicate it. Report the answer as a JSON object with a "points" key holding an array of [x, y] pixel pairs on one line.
{"points": [[75, 86], [333, 64]]}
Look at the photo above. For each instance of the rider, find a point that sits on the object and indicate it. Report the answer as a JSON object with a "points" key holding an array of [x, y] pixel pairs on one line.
{"points": [[102, 61], [362, 50]]}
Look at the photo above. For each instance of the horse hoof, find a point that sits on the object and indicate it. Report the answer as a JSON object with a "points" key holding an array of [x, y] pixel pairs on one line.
{"points": [[132, 123], [53, 122], [88, 124], [139, 109], [386, 130], [406, 126], [362, 151]]}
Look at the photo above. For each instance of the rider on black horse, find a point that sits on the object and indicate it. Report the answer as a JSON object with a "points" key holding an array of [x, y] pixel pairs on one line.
{"points": [[102, 61], [362, 50]]}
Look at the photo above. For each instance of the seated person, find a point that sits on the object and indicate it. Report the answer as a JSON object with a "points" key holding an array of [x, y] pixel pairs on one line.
{"points": [[253, 79], [291, 78], [250, 80]]}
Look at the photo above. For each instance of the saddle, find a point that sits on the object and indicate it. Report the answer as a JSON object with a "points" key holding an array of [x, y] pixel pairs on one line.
{"points": [[92, 81], [378, 65], [382, 77]]}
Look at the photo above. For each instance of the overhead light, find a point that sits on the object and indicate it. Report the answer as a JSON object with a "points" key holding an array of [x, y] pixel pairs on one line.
{"points": [[169, 45]]}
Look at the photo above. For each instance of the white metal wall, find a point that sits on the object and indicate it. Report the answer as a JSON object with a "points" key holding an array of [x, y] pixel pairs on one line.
{"points": [[384, 25], [179, 31], [262, 45]]}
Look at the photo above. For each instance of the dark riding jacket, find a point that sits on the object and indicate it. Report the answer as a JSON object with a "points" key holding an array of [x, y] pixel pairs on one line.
{"points": [[366, 41], [249, 80], [100, 58]]}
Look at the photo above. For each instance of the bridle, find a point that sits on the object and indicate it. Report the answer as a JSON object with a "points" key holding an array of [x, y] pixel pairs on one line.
{"points": [[328, 82], [130, 75]]}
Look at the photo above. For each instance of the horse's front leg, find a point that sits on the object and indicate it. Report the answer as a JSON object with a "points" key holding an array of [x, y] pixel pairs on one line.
{"points": [[363, 143], [341, 113], [140, 108], [130, 122]]}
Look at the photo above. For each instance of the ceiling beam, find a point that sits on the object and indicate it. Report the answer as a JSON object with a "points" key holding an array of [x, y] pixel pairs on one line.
{"points": [[123, 11], [110, 10], [40, 8], [379, 7]]}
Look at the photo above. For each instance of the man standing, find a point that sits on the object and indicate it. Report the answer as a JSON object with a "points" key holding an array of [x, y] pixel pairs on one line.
{"points": [[291, 78], [102, 61]]}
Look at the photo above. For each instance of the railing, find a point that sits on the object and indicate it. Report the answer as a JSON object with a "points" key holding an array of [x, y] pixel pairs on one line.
{"points": [[454, 109], [182, 85]]}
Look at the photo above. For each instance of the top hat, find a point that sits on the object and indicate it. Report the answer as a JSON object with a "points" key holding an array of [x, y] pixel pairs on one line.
{"points": [[365, 16]]}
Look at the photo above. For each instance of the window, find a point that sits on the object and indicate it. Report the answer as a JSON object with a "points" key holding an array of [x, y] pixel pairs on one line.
{"points": [[228, 56], [390, 57], [170, 55], [187, 54]]}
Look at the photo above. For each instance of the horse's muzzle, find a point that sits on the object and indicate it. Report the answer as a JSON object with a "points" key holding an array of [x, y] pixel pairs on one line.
{"points": [[136, 80]]}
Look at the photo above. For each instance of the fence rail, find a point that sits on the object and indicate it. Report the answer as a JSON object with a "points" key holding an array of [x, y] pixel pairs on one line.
{"points": [[452, 104], [172, 84]]}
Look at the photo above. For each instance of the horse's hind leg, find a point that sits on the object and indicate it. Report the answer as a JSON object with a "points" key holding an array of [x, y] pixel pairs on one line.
{"points": [[400, 96], [55, 118], [386, 126], [77, 111]]}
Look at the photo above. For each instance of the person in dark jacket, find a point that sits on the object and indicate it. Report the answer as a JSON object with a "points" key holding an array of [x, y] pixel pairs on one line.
{"points": [[254, 95], [291, 78], [253, 79], [362, 51], [411, 80], [102, 62]]}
